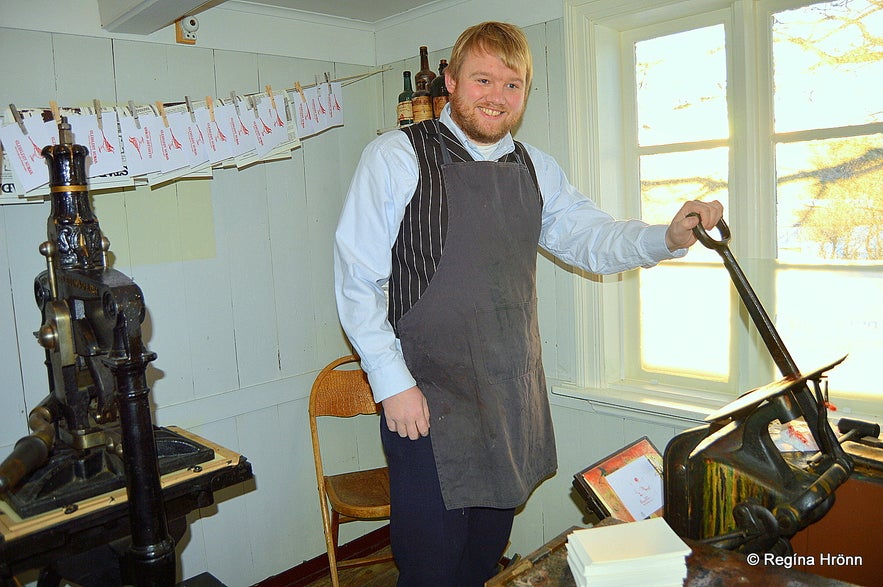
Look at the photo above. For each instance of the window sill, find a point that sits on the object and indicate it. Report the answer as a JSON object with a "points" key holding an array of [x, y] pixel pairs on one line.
{"points": [[657, 406], [674, 407]]}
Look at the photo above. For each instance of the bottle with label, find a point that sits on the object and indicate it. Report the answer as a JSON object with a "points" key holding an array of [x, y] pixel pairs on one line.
{"points": [[438, 91], [421, 103], [404, 110], [425, 74]]}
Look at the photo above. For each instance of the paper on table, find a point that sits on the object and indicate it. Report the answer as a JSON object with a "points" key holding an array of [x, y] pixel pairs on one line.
{"points": [[649, 539]]}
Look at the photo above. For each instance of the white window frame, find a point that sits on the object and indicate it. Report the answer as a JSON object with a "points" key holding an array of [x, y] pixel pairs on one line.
{"points": [[601, 160]]}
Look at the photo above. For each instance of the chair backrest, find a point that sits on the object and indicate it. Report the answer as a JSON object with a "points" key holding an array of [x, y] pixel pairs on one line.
{"points": [[342, 392]]}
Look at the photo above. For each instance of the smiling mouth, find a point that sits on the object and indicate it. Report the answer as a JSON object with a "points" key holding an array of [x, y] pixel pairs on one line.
{"points": [[490, 112]]}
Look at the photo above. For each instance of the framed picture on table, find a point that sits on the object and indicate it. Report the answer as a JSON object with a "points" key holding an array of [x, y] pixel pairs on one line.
{"points": [[626, 485]]}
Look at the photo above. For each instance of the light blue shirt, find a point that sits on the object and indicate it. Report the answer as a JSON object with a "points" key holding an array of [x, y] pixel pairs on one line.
{"points": [[574, 229]]}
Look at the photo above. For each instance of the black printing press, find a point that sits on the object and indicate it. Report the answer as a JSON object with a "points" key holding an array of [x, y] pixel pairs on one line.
{"points": [[727, 483], [95, 470]]}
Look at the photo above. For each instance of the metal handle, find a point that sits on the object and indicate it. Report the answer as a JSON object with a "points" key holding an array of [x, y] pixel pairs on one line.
{"points": [[706, 239]]}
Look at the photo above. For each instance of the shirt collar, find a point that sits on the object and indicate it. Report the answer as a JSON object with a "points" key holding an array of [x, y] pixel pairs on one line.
{"points": [[504, 147]]}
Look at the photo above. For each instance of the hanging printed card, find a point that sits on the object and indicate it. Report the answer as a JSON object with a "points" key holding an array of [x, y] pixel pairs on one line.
{"points": [[335, 104], [102, 139], [172, 153], [233, 118], [306, 121], [318, 97], [139, 140], [217, 145], [24, 150], [269, 125]]}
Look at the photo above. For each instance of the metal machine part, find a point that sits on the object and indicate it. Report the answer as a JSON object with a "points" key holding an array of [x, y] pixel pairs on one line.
{"points": [[726, 482], [94, 433]]}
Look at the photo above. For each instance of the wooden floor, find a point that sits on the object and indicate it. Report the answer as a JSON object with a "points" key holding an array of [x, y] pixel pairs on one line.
{"points": [[379, 575]]}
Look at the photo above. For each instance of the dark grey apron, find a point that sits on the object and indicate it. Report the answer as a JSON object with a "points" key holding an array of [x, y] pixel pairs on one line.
{"points": [[472, 340]]}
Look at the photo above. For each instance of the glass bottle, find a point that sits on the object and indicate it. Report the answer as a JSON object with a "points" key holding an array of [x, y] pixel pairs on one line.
{"points": [[404, 110], [438, 91], [425, 73], [421, 102]]}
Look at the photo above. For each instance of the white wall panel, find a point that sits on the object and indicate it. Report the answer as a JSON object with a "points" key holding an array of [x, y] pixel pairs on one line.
{"points": [[27, 70], [147, 72], [265, 435], [25, 229], [206, 291], [235, 71], [83, 70], [140, 71], [110, 208], [13, 416], [243, 219], [324, 200], [305, 536], [291, 253], [362, 101]]}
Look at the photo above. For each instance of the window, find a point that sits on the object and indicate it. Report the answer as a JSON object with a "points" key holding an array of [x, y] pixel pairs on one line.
{"points": [[774, 108]]}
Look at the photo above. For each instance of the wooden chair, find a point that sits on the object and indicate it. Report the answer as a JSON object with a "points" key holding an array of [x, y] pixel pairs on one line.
{"points": [[358, 495]]}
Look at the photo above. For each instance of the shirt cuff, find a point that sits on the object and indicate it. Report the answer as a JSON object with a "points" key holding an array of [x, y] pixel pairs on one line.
{"points": [[656, 248], [388, 380]]}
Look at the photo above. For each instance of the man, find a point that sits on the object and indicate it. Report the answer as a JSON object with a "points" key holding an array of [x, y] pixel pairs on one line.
{"points": [[447, 215]]}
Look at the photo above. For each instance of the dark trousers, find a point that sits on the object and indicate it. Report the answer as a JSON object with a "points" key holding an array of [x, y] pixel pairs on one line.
{"points": [[434, 546]]}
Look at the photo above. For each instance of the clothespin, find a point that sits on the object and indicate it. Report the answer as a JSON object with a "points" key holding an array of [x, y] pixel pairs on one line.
{"points": [[211, 108], [56, 113], [190, 108], [97, 104], [251, 102], [327, 78], [272, 100], [16, 115], [300, 90], [161, 110], [233, 100], [134, 113]]}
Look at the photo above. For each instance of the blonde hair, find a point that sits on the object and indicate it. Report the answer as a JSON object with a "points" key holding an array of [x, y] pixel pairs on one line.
{"points": [[501, 39]]}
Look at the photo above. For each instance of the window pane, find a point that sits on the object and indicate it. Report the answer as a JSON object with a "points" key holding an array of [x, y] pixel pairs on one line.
{"points": [[673, 294], [670, 179], [830, 201], [827, 66], [829, 314], [685, 321], [682, 87]]}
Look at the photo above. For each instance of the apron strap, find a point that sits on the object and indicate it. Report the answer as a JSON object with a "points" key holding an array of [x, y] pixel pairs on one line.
{"points": [[436, 130]]}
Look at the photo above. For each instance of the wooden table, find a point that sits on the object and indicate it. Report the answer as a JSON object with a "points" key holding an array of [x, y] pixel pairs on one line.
{"points": [[706, 567], [42, 540]]}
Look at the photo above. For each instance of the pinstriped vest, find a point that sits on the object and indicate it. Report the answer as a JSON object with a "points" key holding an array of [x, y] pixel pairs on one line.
{"points": [[419, 245]]}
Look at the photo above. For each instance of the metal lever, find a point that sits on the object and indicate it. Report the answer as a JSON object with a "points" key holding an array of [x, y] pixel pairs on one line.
{"points": [[765, 326], [706, 239]]}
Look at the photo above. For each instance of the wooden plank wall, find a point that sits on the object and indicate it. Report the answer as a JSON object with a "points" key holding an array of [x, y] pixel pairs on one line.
{"points": [[236, 273]]}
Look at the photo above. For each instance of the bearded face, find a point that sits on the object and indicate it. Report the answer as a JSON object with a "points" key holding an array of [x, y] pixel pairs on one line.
{"points": [[487, 97]]}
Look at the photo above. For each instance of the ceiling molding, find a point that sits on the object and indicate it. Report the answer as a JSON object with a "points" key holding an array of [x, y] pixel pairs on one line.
{"points": [[249, 7], [143, 17]]}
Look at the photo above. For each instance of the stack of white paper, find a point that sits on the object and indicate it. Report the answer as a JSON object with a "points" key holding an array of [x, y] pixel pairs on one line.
{"points": [[642, 554]]}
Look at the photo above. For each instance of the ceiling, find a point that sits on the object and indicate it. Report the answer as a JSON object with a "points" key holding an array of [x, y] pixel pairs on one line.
{"points": [[148, 16], [369, 11]]}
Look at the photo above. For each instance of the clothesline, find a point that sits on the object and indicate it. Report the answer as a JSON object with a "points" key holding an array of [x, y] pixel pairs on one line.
{"points": [[162, 141]]}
